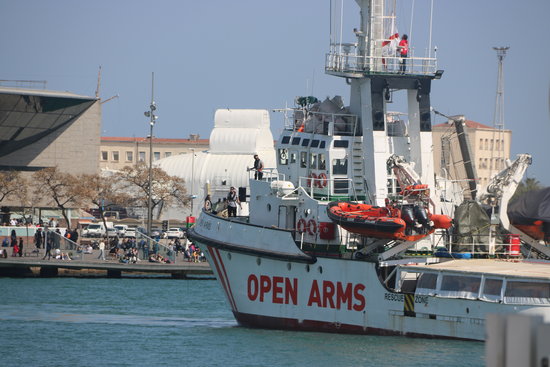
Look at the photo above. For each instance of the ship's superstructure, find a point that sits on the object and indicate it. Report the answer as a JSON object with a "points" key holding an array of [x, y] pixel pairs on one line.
{"points": [[353, 189]]}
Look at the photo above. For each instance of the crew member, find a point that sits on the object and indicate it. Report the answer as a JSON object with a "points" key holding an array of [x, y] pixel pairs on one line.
{"points": [[403, 49], [232, 201], [259, 167]]}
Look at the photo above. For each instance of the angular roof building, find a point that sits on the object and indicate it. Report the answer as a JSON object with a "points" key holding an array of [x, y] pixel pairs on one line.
{"points": [[41, 128]]}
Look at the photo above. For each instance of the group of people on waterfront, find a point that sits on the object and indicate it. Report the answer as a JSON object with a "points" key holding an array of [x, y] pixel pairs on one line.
{"points": [[13, 242]]}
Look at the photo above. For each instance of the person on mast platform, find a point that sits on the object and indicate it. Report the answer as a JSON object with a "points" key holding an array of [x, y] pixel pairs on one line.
{"points": [[403, 50]]}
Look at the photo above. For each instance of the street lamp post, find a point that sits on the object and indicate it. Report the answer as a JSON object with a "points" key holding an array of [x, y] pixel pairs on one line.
{"points": [[192, 179], [153, 118]]}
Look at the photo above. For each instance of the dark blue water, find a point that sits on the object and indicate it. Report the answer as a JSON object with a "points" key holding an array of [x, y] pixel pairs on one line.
{"points": [[165, 322]]}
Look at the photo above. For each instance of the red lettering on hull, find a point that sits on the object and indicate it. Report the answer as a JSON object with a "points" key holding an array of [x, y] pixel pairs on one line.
{"points": [[283, 290]]}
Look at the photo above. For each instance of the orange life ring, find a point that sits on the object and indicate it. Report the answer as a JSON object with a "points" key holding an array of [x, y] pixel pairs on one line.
{"points": [[311, 227], [322, 182], [301, 225], [312, 176]]}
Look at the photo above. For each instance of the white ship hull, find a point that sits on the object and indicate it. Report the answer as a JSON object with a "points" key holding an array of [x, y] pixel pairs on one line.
{"points": [[269, 283]]}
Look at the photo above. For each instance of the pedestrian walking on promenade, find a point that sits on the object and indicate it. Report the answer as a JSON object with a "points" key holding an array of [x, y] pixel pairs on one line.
{"points": [[48, 249], [101, 250]]}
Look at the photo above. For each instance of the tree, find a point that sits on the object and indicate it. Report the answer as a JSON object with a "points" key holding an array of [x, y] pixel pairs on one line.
{"points": [[57, 188], [100, 190], [529, 184], [166, 190], [10, 182]]}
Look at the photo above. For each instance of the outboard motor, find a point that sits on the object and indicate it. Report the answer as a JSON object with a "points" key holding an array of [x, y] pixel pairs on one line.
{"points": [[407, 214], [421, 215]]}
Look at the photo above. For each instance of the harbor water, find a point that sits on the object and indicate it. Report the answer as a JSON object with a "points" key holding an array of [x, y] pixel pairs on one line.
{"points": [[168, 322]]}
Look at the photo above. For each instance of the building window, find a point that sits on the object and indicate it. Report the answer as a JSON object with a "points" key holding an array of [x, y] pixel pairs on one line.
{"points": [[492, 144], [167, 154], [129, 156], [480, 144], [115, 156], [498, 145], [104, 155], [486, 144], [156, 156], [142, 156]]}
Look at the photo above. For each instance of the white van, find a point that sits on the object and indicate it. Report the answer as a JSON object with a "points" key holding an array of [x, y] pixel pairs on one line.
{"points": [[121, 229]]}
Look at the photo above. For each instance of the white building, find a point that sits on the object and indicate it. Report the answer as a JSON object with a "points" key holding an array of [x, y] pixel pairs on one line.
{"points": [[236, 137]]}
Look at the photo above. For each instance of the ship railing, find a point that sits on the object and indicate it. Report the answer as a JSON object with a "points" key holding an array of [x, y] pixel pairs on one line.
{"points": [[480, 245], [346, 61], [325, 189], [323, 123], [269, 174]]}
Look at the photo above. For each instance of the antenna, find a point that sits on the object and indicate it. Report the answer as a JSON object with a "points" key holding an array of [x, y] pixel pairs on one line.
{"points": [[497, 148], [98, 82]]}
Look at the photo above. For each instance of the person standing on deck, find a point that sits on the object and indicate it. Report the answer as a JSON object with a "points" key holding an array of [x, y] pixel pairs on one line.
{"points": [[258, 167], [403, 49], [232, 201]]}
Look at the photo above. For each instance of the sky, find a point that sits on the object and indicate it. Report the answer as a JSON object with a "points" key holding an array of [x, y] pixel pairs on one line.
{"points": [[213, 54]]}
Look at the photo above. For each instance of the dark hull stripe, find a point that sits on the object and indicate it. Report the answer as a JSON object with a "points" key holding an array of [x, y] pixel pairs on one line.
{"points": [[280, 323]]}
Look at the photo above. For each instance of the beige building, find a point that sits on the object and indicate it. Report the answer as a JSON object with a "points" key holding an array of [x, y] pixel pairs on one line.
{"points": [[490, 148], [118, 152]]}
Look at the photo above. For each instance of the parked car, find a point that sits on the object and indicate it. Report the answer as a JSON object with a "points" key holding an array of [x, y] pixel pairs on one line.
{"points": [[130, 232], [174, 233], [112, 232], [94, 230], [121, 230]]}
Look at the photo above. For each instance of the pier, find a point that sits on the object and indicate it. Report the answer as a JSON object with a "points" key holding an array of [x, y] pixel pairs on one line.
{"points": [[90, 266]]}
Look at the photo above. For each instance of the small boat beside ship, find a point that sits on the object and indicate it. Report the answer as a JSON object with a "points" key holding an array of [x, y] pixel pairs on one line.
{"points": [[323, 244]]}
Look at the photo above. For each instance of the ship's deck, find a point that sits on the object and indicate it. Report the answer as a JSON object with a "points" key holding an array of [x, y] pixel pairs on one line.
{"points": [[523, 269]]}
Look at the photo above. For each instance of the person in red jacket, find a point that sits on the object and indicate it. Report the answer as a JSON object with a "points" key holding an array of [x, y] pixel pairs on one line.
{"points": [[403, 50]]}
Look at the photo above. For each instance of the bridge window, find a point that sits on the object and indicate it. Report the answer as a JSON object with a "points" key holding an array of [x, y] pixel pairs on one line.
{"points": [[340, 166], [491, 290], [303, 159], [305, 142], [293, 157], [426, 284], [322, 145], [341, 143], [285, 139], [322, 161], [314, 143], [341, 186], [527, 292], [296, 141], [458, 286], [313, 161]]}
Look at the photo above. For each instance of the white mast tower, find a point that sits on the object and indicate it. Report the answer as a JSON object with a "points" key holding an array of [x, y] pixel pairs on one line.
{"points": [[373, 76]]}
